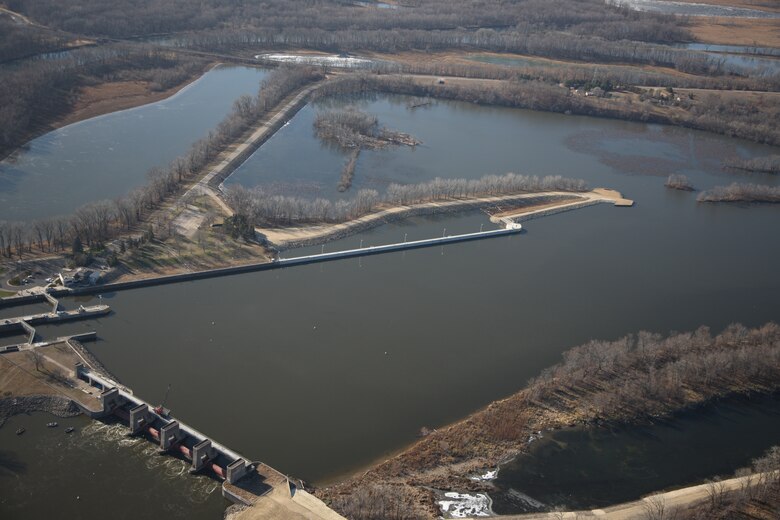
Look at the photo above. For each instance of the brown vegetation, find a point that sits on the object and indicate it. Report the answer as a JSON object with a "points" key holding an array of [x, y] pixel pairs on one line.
{"points": [[738, 192], [351, 129], [637, 377], [293, 20], [679, 182], [264, 209], [760, 32], [768, 164], [348, 172], [747, 118]]}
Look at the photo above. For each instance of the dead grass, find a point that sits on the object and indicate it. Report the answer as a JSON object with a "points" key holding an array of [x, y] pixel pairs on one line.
{"points": [[114, 96], [208, 249], [762, 32], [19, 376]]}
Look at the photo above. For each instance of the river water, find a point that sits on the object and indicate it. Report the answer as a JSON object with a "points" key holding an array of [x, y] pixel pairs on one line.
{"points": [[461, 140], [93, 472], [108, 156], [586, 469], [318, 370]]}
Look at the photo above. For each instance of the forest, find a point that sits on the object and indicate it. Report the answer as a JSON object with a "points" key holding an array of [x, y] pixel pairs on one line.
{"points": [[148, 17]]}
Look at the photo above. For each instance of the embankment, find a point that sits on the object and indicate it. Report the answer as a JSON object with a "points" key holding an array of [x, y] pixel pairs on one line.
{"points": [[293, 237], [53, 404]]}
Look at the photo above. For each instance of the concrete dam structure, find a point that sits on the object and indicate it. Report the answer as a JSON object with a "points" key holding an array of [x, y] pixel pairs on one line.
{"points": [[265, 492], [171, 434]]}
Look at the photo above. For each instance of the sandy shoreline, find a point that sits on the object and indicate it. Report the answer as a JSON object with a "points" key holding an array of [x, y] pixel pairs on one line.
{"points": [[300, 236]]}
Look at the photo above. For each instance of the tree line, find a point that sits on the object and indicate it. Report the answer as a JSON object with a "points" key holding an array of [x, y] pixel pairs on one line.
{"points": [[741, 192], [647, 374], [751, 118], [97, 222], [264, 209], [679, 182], [147, 17], [19, 41], [767, 164]]}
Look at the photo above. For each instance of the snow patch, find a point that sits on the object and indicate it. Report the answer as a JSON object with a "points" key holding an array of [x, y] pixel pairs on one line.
{"points": [[334, 60], [463, 505], [488, 475]]}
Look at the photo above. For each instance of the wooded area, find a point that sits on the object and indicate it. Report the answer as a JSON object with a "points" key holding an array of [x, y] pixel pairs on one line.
{"points": [[741, 192], [768, 164], [678, 182], [264, 209], [289, 18]]}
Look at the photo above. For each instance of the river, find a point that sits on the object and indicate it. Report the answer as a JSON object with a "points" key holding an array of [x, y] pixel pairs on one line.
{"points": [[321, 369], [93, 472], [587, 469], [108, 156]]}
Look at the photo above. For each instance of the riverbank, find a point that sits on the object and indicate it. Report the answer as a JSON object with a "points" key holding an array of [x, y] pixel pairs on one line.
{"points": [[639, 378], [38, 379], [105, 98]]}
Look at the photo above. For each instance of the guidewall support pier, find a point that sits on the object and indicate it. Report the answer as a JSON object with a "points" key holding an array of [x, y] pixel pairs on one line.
{"points": [[236, 470], [139, 418], [111, 400], [30, 330], [170, 434], [55, 303], [202, 453], [240, 477]]}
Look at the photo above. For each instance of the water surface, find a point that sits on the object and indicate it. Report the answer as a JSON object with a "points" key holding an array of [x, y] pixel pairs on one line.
{"points": [[108, 156], [586, 469], [93, 472]]}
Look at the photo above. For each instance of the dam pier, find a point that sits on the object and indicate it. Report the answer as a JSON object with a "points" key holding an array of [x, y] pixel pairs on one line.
{"points": [[264, 491]]}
